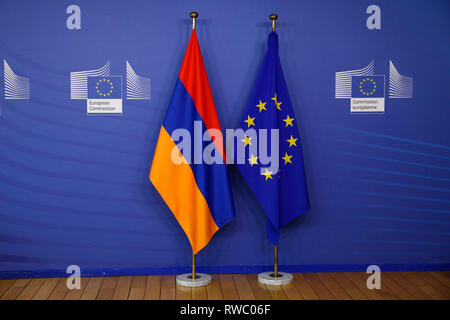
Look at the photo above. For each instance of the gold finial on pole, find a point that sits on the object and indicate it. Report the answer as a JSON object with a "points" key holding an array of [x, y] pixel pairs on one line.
{"points": [[193, 255], [275, 254], [273, 17], [193, 15]]}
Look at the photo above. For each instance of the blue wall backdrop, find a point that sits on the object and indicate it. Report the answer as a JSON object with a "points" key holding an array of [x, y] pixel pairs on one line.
{"points": [[74, 187]]}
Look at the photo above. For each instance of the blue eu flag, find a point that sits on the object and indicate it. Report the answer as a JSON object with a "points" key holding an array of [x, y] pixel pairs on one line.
{"points": [[282, 193], [368, 87], [109, 87]]}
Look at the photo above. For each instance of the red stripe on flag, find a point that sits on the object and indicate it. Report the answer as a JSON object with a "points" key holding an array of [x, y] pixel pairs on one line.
{"points": [[194, 77]]}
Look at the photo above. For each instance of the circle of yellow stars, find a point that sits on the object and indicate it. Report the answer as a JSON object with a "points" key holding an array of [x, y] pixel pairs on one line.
{"points": [[108, 82], [253, 160], [368, 80]]}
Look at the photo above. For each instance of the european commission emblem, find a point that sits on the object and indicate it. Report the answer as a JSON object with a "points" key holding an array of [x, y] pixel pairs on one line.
{"points": [[367, 94], [104, 95]]}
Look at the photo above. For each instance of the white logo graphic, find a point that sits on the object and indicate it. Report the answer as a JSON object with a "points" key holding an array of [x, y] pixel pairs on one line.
{"points": [[74, 280], [399, 86], [344, 80], [374, 280], [74, 20], [16, 87], [366, 90], [138, 88], [78, 81], [103, 91], [374, 21]]}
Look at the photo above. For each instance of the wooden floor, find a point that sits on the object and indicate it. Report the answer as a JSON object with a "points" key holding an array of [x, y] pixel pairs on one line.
{"points": [[338, 285]]}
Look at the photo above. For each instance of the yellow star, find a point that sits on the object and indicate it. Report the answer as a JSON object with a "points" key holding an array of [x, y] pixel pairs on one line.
{"points": [[287, 158], [288, 121], [267, 174], [253, 160], [276, 101], [292, 141], [250, 121], [247, 141], [261, 106]]}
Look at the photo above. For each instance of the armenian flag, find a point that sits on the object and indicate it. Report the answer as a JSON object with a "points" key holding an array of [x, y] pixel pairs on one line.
{"points": [[198, 194]]}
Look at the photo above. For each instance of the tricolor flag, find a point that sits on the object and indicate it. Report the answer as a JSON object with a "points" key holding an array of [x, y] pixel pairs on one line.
{"points": [[197, 193], [281, 190]]}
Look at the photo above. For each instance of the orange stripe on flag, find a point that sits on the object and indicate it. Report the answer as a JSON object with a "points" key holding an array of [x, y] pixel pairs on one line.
{"points": [[176, 185]]}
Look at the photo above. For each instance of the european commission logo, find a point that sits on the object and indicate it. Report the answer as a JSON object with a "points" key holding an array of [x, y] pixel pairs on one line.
{"points": [[103, 91], [104, 94], [366, 90], [367, 94]]}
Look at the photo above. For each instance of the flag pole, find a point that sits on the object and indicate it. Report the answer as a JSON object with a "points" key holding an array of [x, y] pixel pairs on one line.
{"points": [[275, 278], [193, 279], [193, 265], [194, 16], [275, 254], [274, 18]]}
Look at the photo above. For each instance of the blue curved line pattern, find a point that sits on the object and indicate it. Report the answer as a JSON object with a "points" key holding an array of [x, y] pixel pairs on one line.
{"points": [[74, 188], [425, 154], [59, 175], [419, 243], [40, 243], [38, 224], [392, 207], [382, 253], [29, 62], [24, 259], [386, 159], [55, 209], [36, 135], [388, 171], [374, 229], [16, 109], [390, 195], [405, 185], [76, 109], [68, 194], [381, 135], [421, 221], [80, 161]]}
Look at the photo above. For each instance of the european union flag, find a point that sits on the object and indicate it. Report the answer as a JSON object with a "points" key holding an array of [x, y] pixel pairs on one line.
{"points": [[368, 87], [109, 87], [282, 192]]}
